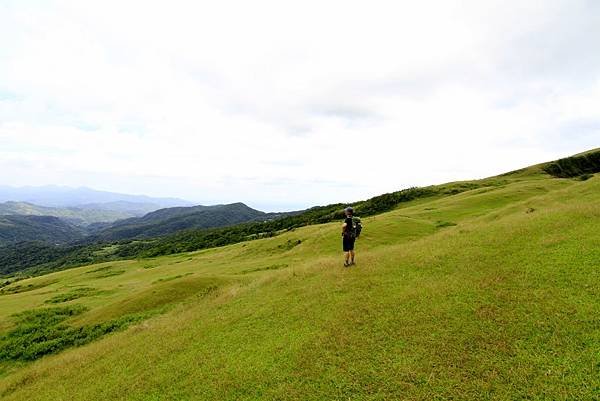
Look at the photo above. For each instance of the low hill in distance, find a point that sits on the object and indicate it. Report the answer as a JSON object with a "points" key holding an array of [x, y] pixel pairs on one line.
{"points": [[170, 220], [476, 290], [17, 229]]}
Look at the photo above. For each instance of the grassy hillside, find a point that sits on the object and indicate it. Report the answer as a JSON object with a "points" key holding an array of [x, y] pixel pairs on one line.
{"points": [[491, 293]]}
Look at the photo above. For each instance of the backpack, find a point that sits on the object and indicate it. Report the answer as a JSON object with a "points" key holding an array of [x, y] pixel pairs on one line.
{"points": [[356, 226]]}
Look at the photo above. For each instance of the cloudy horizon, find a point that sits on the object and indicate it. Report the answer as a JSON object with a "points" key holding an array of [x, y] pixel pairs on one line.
{"points": [[285, 105]]}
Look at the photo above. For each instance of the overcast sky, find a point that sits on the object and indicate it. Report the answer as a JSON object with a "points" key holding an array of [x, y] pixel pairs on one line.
{"points": [[289, 104]]}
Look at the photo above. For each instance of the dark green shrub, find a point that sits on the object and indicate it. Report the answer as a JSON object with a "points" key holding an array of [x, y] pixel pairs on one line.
{"points": [[574, 166], [72, 295], [585, 177], [441, 224]]}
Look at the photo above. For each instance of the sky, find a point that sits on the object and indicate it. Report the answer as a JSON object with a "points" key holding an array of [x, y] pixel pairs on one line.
{"points": [[290, 104]]}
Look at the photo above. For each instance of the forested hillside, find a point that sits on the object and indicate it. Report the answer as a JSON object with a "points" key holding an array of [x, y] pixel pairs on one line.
{"points": [[20, 229]]}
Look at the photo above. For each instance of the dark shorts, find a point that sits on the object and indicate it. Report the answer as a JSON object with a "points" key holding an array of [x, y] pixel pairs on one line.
{"points": [[348, 243]]}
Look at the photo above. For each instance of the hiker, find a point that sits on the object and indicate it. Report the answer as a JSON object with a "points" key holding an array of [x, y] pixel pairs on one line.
{"points": [[350, 232]]}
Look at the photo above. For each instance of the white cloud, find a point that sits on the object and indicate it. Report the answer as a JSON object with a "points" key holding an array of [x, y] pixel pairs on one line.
{"points": [[268, 102]]}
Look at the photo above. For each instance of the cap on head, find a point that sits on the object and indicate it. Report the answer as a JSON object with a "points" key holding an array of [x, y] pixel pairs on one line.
{"points": [[349, 210]]}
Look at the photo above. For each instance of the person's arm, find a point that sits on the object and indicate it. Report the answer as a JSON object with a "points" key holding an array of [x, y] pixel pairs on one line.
{"points": [[344, 227]]}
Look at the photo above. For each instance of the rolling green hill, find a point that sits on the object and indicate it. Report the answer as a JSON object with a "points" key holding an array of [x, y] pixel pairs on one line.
{"points": [[484, 291]]}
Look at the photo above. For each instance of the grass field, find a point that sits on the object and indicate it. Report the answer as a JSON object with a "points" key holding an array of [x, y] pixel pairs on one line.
{"points": [[492, 293]]}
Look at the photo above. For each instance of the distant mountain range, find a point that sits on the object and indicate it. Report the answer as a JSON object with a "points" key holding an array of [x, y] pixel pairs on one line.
{"points": [[79, 214], [59, 196], [22, 222], [56, 214]]}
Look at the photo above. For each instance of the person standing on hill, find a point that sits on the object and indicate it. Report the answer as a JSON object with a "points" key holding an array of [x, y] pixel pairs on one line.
{"points": [[350, 231]]}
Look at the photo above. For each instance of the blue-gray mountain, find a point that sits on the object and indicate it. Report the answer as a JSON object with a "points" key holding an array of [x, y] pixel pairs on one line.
{"points": [[60, 196], [75, 215]]}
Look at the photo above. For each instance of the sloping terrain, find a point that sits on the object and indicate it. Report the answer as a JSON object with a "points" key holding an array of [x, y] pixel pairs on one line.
{"points": [[491, 293]]}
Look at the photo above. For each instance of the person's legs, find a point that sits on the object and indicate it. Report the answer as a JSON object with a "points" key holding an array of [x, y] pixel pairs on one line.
{"points": [[346, 248], [351, 256]]}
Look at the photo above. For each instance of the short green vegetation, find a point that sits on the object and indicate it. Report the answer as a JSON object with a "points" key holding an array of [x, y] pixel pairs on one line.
{"points": [[276, 266], [479, 291], [40, 332], [75, 293], [444, 224], [18, 288], [163, 279]]}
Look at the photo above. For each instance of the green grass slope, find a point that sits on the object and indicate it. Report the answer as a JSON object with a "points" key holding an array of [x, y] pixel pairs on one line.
{"points": [[491, 293]]}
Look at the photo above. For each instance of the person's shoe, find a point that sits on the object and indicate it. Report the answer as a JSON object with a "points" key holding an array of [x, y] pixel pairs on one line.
{"points": [[346, 264], [352, 263]]}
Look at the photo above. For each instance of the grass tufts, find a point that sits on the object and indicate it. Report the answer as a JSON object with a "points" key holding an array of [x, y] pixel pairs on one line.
{"points": [[73, 294], [40, 332]]}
